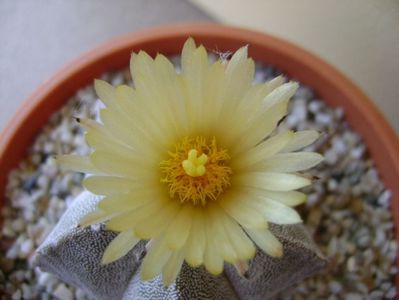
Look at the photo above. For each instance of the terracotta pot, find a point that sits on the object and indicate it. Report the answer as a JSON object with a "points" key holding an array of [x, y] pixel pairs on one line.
{"points": [[327, 82]]}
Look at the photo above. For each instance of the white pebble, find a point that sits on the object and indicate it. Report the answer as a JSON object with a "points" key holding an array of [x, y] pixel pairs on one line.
{"points": [[351, 264], [315, 106], [353, 296], [18, 225], [335, 287], [323, 118], [17, 295], [330, 157], [376, 295], [26, 249], [391, 293], [44, 278], [61, 292], [27, 291], [385, 198], [357, 152]]}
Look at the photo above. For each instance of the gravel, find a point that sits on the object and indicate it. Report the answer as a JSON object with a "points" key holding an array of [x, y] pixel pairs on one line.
{"points": [[348, 209]]}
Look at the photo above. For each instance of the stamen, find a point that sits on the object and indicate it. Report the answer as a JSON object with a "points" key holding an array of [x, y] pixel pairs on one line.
{"points": [[195, 166], [197, 171]]}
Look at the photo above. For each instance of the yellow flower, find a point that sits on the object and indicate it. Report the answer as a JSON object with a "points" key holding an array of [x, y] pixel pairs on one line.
{"points": [[182, 160]]}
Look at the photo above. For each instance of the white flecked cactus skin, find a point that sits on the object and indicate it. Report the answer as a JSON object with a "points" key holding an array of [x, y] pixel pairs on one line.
{"points": [[74, 255]]}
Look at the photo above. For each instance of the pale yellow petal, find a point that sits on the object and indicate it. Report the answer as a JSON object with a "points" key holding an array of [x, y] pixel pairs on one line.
{"points": [[272, 181], [266, 241], [189, 48], [261, 152], [259, 128], [172, 268], [281, 93], [130, 219], [127, 202], [95, 217], [290, 162], [274, 211], [124, 129], [195, 66], [105, 92], [218, 234], [121, 166], [243, 246], [179, 229], [234, 205], [248, 107], [213, 261], [195, 247], [301, 139], [155, 259], [140, 112], [290, 198], [77, 163], [98, 135], [119, 246], [155, 221], [108, 185], [239, 76]]}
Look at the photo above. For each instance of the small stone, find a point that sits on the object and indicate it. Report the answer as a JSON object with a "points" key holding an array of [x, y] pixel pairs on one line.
{"points": [[17, 295], [6, 264], [353, 296], [18, 225], [391, 293], [44, 278], [376, 295], [351, 264], [335, 287], [385, 199], [27, 291], [315, 106], [323, 118], [61, 292], [26, 249]]}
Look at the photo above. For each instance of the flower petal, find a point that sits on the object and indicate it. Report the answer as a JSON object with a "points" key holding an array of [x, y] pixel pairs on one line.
{"points": [[260, 128], [213, 261], [266, 241], [272, 181], [120, 246], [126, 202], [291, 162], [261, 152], [195, 246], [156, 220], [275, 212], [77, 163], [301, 139], [172, 268], [108, 185], [235, 206], [219, 236], [95, 217], [155, 259], [111, 164], [129, 219], [239, 76], [106, 93], [242, 245], [178, 231], [290, 198]]}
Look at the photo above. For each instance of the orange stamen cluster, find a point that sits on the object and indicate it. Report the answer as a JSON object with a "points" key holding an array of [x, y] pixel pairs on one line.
{"points": [[197, 170]]}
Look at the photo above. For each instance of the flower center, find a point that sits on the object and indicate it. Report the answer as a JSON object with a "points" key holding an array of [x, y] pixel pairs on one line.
{"points": [[196, 171]]}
